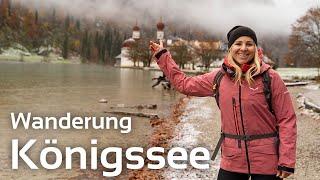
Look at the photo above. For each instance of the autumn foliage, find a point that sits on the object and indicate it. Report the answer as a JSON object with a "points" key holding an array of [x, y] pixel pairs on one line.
{"points": [[304, 41], [38, 28]]}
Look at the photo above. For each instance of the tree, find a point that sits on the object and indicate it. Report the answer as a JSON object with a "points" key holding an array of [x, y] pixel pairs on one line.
{"points": [[65, 48], [116, 43], [9, 8], [65, 45], [275, 46], [31, 31], [67, 23], [139, 51], [209, 52], [181, 54], [133, 53], [78, 24], [145, 54], [4, 11], [304, 41], [86, 46], [53, 16], [36, 17], [297, 57]]}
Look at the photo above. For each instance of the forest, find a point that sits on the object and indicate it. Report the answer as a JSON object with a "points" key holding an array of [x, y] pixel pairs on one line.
{"points": [[100, 40]]}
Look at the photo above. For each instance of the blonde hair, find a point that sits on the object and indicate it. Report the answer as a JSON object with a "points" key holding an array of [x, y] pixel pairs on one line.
{"points": [[253, 70]]}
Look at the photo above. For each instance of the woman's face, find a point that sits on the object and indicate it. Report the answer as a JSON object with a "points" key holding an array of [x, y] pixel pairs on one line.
{"points": [[243, 50]]}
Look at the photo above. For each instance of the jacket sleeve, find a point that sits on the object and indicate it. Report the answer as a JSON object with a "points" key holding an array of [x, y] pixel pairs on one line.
{"points": [[195, 86], [286, 121]]}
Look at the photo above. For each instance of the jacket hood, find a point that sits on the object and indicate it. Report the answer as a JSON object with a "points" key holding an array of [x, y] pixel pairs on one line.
{"points": [[264, 67]]}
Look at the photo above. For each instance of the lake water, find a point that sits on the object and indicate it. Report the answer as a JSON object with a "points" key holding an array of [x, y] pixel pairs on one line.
{"points": [[54, 89]]}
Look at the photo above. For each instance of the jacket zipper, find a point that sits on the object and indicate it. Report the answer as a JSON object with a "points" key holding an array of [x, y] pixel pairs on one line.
{"points": [[235, 117], [245, 141]]}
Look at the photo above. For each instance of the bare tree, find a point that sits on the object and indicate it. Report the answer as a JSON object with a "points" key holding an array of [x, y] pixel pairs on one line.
{"points": [[139, 52], [304, 42], [181, 53], [208, 53], [133, 53], [145, 53], [275, 46]]}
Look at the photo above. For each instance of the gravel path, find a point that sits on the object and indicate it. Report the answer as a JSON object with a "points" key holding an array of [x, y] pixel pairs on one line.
{"points": [[308, 146], [199, 127]]}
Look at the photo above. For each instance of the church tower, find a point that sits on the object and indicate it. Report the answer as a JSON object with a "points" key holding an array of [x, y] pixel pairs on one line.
{"points": [[136, 32], [160, 28]]}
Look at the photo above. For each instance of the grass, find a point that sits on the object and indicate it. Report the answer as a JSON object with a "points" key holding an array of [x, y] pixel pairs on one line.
{"points": [[298, 73]]}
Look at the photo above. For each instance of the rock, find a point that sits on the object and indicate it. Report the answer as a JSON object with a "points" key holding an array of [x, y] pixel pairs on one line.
{"points": [[121, 105], [312, 106], [103, 101], [139, 107], [152, 106], [26, 54], [297, 84], [299, 95]]}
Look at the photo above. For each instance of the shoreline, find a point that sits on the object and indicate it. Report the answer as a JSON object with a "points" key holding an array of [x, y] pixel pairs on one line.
{"points": [[163, 132], [39, 59], [296, 73]]}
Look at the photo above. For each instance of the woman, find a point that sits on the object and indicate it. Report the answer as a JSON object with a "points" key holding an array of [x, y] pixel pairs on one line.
{"points": [[257, 140]]}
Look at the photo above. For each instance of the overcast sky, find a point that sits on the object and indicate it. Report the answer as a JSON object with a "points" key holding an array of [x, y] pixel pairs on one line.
{"points": [[264, 16]]}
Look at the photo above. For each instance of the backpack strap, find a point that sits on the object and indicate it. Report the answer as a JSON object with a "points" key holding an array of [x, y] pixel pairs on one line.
{"points": [[216, 84], [266, 79]]}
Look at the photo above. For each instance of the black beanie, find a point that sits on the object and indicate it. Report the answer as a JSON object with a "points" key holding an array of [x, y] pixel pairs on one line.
{"points": [[239, 31]]}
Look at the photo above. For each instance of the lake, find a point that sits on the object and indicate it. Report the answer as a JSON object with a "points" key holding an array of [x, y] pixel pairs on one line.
{"points": [[55, 89]]}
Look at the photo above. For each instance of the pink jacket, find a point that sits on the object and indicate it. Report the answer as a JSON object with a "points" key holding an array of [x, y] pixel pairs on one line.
{"points": [[264, 158]]}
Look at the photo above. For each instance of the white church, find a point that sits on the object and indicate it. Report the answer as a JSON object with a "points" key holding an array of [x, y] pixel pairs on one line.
{"points": [[122, 60]]}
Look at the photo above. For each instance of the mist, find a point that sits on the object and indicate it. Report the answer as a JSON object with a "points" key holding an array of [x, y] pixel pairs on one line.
{"points": [[266, 17]]}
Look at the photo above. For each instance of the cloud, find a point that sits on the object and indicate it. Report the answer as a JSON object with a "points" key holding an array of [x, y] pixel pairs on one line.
{"points": [[216, 16]]}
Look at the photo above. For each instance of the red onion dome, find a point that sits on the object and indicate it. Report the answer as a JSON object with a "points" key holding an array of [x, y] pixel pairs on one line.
{"points": [[160, 26], [135, 28]]}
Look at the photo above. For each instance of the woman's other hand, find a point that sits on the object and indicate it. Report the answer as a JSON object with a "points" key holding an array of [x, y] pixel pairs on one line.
{"points": [[283, 174], [154, 47]]}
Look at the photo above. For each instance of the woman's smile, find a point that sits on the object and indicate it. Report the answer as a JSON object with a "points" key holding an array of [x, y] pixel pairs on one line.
{"points": [[243, 55]]}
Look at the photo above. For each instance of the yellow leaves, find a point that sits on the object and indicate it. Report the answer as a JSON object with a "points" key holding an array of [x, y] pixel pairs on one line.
{"points": [[76, 44]]}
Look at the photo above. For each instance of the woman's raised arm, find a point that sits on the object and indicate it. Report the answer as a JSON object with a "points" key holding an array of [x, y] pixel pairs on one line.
{"points": [[195, 86]]}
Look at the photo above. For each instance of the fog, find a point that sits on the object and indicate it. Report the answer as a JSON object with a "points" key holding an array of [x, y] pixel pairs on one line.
{"points": [[216, 16]]}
